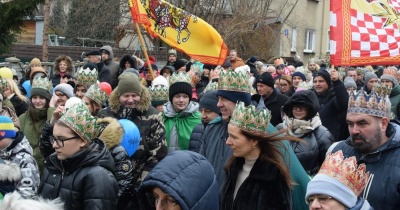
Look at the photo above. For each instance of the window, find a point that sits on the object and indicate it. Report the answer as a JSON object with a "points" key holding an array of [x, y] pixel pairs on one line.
{"points": [[294, 40], [310, 41]]}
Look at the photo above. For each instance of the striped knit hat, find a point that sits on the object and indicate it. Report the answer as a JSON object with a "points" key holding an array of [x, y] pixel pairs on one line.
{"points": [[7, 129]]}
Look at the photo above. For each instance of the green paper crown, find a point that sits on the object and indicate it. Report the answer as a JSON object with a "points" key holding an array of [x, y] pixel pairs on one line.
{"points": [[159, 93], [96, 94], [3, 85], [180, 77], [382, 90], [86, 76], [234, 81], [247, 118], [81, 121], [211, 86], [42, 83]]}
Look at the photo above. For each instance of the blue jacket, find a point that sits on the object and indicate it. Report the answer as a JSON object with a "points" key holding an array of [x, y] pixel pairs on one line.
{"points": [[383, 189], [187, 177], [195, 138]]}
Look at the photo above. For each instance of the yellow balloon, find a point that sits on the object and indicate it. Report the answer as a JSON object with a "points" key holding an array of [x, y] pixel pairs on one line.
{"points": [[6, 73]]}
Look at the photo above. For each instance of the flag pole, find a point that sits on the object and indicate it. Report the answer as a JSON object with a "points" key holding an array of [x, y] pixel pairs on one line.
{"points": [[144, 51]]}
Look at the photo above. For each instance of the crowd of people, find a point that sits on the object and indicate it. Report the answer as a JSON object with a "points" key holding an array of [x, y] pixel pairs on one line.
{"points": [[242, 135]]}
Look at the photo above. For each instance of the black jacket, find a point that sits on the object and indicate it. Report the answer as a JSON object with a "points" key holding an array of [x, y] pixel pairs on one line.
{"points": [[103, 72], [82, 181], [383, 188], [264, 188], [20, 106], [273, 103], [333, 103], [195, 138]]}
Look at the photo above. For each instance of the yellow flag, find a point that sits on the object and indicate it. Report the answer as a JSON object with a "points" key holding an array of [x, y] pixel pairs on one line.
{"points": [[180, 30]]}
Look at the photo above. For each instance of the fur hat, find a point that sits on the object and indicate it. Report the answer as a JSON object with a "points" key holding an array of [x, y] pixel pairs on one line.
{"points": [[7, 129], [67, 89], [16, 201], [128, 83]]}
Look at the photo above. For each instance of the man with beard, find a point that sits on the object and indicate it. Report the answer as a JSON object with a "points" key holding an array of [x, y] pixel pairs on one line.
{"points": [[376, 142], [132, 101]]}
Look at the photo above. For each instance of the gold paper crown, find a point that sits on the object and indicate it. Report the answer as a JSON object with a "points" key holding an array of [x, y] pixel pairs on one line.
{"points": [[304, 85], [180, 77], [96, 94], [172, 51], [247, 118], [376, 103], [159, 93], [234, 81], [211, 86], [43, 83], [3, 85], [86, 76], [346, 171]]}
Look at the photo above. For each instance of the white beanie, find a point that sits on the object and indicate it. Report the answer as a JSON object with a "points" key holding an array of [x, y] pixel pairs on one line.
{"points": [[160, 80]]}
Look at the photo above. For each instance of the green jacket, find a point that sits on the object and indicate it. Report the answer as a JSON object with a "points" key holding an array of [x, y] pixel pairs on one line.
{"points": [[394, 100], [33, 131], [179, 126]]}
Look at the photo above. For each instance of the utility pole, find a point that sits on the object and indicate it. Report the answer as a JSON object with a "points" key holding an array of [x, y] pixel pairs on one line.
{"points": [[45, 55]]}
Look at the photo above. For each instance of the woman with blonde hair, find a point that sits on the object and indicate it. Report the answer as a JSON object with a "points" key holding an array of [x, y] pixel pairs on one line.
{"points": [[19, 101], [285, 83], [256, 175]]}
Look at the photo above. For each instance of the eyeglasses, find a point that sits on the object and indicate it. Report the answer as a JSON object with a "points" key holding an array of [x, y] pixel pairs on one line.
{"points": [[60, 142], [298, 107], [321, 199], [166, 203]]}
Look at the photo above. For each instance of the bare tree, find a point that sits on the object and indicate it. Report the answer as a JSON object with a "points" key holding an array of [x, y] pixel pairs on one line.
{"points": [[45, 56]]}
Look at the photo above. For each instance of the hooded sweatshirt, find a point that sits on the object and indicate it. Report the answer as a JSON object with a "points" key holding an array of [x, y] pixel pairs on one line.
{"points": [[112, 66]]}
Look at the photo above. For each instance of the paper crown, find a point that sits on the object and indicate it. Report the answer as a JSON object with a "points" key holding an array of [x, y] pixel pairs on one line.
{"points": [[42, 82], [3, 85], [304, 86], [346, 171], [96, 94], [211, 86], [86, 76], [234, 81], [81, 121], [247, 118], [180, 77], [376, 103], [172, 51], [159, 93]]}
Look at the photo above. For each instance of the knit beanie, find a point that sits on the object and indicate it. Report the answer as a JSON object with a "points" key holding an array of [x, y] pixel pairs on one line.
{"points": [[7, 129], [180, 87], [179, 64], [349, 82], [252, 59], [326, 76], [209, 67], [209, 101], [35, 62], [235, 96], [160, 80], [171, 68], [67, 89], [326, 185], [299, 74], [90, 65], [129, 83], [42, 87], [266, 79], [132, 70], [390, 78], [368, 76]]}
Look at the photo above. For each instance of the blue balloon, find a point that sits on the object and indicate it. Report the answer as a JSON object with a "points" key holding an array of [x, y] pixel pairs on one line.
{"points": [[131, 138], [27, 86]]}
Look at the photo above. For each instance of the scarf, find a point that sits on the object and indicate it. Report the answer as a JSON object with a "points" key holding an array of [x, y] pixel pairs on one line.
{"points": [[298, 128]]}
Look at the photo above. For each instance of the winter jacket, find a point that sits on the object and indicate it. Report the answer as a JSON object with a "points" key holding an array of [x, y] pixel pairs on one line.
{"points": [[264, 188], [83, 181], [152, 146], [333, 103], [214, 147], [20, 153], [124, 59], [394, 100], [179, 175], [311, 151], [17, 202], [33, 130], [45, 147], [20, 106], [6, 111], [382, 191], [179, 126], [112, 66], [10, 176], [274, 103], [103, 72], [56, 77], [195, 138]]}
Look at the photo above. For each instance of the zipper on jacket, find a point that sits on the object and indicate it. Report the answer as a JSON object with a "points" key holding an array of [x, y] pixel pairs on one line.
{"points": [[60, 169]]}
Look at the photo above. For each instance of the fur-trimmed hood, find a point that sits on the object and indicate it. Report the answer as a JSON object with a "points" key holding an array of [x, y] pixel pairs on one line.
{"points": [[15, 201], [9, 171], [112, 133], [70, 68], [143, 105]]}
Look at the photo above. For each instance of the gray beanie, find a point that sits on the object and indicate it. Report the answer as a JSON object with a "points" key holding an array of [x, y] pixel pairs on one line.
{"points": [[391, 78], [326, 185], [67, 89], [368, 76], [349, 82], [209, 101]]}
